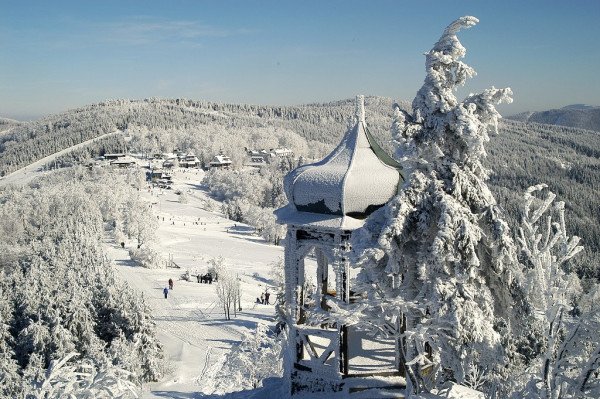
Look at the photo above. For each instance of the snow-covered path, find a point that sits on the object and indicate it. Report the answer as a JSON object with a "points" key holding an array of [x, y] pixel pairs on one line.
{"points": [[190, 323]]}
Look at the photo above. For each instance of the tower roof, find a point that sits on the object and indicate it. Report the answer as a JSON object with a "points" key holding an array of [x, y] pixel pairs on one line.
{"points": [[354, 180]]}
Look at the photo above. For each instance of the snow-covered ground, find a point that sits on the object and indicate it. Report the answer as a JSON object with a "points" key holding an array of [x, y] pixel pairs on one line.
{"points": [[190, 323]]}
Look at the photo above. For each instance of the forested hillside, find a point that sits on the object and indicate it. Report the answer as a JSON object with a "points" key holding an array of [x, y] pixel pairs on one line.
{"points": [[31, 141], [577, 115], [522, 154], [566, 159]]}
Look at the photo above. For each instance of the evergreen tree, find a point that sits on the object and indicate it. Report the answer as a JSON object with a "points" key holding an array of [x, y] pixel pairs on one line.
{"points": [[9, 377], [56, 251], [438, 261]]}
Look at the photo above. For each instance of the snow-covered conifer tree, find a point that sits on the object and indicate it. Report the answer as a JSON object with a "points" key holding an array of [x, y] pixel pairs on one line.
{"points": [[83, 379], [56, 252], [438, 261], [9, 377]]}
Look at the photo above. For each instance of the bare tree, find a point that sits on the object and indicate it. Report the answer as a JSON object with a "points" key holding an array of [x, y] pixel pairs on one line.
{"points": [[229, 292]]}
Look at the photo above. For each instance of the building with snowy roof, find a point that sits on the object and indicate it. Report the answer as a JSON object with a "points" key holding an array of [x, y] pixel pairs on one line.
{"points": [[113, 156], [220, 161], [189, 161], [124, 161], [327, 200], [282, 152]]}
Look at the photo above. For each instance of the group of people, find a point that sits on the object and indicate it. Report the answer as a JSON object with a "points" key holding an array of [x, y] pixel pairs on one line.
{"points": [[202, 278], [264, 298], [205, 278], [167, 289]]}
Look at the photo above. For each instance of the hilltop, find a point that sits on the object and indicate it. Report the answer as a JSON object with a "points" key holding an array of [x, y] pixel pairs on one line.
{"points": [[576, 115]]}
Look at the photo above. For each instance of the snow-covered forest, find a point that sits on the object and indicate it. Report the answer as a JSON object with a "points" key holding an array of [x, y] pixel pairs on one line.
{"points": [[65, 316]]}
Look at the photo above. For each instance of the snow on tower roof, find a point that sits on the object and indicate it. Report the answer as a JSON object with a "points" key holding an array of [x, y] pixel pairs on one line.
{"points": [[350, 183]]}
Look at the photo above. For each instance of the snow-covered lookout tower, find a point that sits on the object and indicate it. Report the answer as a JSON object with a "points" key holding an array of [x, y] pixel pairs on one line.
{"points": [[327, 201]]}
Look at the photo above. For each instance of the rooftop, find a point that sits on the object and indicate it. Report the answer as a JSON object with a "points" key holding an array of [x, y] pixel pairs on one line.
{"points": [[349, 184]]}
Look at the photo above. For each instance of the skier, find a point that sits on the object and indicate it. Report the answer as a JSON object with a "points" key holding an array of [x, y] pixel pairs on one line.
{"points": [[267, 295], [166, 292], [170, 283], [262, 298]]}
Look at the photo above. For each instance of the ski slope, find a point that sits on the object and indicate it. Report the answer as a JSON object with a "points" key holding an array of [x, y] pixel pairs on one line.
{"points": [[190, 323]]}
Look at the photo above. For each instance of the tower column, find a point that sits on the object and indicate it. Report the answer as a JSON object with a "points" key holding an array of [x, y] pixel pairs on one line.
{"points": [[322, 276]]}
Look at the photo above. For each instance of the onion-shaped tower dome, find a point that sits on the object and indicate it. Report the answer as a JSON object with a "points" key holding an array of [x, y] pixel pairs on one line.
{"points": [[340, 191]]}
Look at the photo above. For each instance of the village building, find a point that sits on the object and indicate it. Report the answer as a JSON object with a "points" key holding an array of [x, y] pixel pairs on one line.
{"points": [[263, 156], [282, 152], [160, 178], [327, 201], [220, 161], [123, 162], [257, 159], [189, 161], [168, 164]]}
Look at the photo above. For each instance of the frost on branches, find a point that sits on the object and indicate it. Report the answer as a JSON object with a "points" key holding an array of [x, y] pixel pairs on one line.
{"points": [[438, 261], [51, 246], [256, 358], [568, 365]]}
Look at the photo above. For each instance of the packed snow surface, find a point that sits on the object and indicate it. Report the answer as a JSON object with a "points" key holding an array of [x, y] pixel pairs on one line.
{"points": [[190, 323]]}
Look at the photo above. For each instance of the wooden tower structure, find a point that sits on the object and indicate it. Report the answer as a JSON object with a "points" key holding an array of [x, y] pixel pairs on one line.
{"points": [[327, 201]]}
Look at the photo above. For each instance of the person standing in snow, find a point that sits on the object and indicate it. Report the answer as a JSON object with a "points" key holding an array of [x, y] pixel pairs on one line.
{"points": [[166, 292], [170, 283], [267, 295], [262, 298]]}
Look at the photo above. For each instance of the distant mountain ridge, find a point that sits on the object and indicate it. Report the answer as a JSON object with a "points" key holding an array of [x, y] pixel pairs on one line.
{"points": [[576, 115]]}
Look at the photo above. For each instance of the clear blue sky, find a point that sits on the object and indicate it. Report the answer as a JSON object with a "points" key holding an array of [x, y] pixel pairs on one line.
{"points": [[56, 55]]}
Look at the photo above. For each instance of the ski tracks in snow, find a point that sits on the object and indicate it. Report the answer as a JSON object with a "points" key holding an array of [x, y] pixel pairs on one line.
{"points": [[192, 332]]}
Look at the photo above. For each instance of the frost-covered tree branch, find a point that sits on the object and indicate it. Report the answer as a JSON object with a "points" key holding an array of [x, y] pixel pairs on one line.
{"points": [[568, 367]]}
